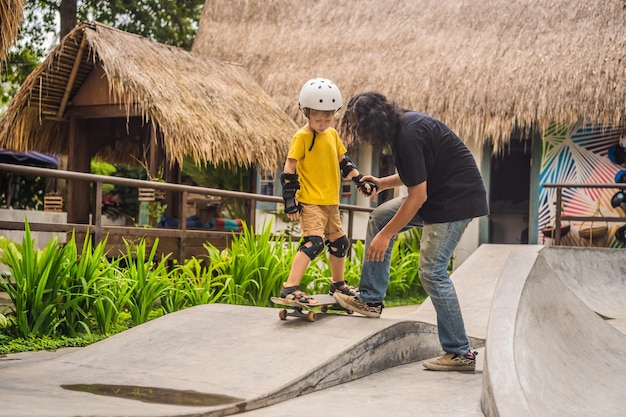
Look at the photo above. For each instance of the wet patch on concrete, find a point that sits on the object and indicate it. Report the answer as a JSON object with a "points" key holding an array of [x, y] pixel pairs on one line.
{"points": [[155, 394]]}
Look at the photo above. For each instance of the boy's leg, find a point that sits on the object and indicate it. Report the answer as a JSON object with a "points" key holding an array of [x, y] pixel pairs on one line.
{"points": [[338, 247], [298, 267], [313, 244], [436, 249]]}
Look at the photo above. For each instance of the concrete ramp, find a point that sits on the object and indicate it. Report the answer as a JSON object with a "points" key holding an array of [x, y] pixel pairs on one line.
{"points": [[596, 275], [548, 353], [242, 357], [475, 282]]}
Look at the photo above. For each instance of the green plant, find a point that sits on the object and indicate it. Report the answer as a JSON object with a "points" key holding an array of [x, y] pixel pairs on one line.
{"points": [[101, 285], [111, 295], [38, 278], [256, 263], [155, 210], [194, 284], [71, 296], [404, 280], [4, 321], [100, 167], [148, 278], [57, 293]]}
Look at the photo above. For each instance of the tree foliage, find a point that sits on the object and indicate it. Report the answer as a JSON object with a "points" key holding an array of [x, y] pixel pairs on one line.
{"points": [[172, 22]]}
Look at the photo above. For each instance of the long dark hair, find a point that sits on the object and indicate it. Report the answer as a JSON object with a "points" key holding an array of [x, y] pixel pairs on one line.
{"points": [[370, 117]]}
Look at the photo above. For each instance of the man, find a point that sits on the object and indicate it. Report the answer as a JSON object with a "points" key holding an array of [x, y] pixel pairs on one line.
{"points": [[445, 192]]}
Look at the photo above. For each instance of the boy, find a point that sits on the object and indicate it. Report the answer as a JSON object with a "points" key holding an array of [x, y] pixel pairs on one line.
{"points": [[311, 184]]}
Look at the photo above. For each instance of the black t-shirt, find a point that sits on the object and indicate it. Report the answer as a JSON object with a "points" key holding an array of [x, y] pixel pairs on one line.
{"points": [[427, 150]]}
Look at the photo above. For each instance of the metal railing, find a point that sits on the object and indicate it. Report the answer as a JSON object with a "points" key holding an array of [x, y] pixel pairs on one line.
{"points": [[559, 203], [181, 233]]}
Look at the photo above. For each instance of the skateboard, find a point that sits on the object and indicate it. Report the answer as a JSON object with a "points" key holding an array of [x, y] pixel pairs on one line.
{"points": [[325, 302]]}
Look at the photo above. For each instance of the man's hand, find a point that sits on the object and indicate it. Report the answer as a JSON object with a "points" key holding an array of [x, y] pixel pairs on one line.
{"points": [[377, 248], [366, 187]]}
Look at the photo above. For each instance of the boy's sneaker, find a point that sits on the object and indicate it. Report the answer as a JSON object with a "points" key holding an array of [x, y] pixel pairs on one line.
{"points": [[343, 288], [453, 362], [356, 304]]}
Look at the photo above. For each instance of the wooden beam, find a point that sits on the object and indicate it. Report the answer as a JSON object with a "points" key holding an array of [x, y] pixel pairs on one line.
{"points": [[72, 79]]}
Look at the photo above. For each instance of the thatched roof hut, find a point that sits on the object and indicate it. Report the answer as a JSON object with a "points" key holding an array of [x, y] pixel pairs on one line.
{"points": [[11, 12], [481, 66], [207, 109]]}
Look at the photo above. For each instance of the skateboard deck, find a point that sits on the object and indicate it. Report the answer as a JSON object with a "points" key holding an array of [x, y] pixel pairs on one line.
{"points": [[325, 302]]}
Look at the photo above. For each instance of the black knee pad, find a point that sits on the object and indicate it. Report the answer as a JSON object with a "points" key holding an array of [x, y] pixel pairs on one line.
{"points": [[339, 247], [316, 247]]}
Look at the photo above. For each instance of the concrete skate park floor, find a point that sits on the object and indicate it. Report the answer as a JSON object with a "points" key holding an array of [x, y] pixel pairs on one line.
{"points": [[552, 320]]}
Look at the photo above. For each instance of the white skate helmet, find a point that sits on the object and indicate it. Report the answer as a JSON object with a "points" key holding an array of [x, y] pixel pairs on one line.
{"points": [[320, 94]]}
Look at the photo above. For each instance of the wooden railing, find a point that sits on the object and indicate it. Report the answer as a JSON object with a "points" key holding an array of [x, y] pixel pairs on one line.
{"points": [[182, 234], [559, 217]]}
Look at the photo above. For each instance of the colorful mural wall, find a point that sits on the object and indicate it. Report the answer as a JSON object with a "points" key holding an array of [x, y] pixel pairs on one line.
{"points": [[578, 154]]}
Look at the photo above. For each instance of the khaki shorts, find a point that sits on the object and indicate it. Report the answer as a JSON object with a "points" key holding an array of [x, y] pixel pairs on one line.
{"points": [[321, 221]]}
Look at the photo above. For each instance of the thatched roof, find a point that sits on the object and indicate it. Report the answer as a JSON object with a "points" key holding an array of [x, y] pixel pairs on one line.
{"points": [[11, 12], [207, 109], [481, 66]]}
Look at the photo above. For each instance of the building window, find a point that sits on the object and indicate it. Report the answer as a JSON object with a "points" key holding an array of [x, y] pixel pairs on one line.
{"points": [[265, 186]]}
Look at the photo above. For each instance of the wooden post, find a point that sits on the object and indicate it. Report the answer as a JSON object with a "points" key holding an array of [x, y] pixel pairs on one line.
{"points": [[78, 200], [557, 226], [97, 214]]}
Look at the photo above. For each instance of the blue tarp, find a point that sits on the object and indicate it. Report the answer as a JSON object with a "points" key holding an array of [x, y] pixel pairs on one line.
{"points": [[28, 158]]}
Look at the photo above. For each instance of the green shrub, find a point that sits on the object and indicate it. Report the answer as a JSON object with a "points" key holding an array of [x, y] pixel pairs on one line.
{"points": [[148, 280], [38, 279], [77, 299]]}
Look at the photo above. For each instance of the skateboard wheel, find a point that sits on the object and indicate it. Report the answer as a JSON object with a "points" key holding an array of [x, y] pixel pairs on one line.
{"points": [[324, 308], [310, 316], [349, 311], [282, 314]]}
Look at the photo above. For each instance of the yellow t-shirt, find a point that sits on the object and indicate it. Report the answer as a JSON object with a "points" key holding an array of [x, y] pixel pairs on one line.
{"points": [[318, 169]]}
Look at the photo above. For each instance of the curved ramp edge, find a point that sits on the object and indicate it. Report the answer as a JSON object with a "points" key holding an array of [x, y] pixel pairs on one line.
{"points": [[547, 353], [596, 275], [399, 344]]}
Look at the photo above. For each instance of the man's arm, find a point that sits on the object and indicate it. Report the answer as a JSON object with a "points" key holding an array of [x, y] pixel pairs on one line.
{"points": [[415, 199]]}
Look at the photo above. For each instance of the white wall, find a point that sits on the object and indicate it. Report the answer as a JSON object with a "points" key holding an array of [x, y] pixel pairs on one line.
{"points": [[41, 238], [470, 240]]}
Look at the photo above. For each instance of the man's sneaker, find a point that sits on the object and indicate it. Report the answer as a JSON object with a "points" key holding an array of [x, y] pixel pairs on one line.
{"points": [[356, 304], [343, 288], [453, 362]]}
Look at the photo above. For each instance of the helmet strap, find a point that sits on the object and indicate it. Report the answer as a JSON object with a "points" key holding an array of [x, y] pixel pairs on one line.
{"points": [[313, 142]]}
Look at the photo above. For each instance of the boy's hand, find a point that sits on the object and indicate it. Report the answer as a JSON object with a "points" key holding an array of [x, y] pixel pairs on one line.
{"points": [[294, 216], [289, 196], [290, 185]]}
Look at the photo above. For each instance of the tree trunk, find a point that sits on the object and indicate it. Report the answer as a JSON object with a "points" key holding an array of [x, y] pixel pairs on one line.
{"points": [[68, 16]]}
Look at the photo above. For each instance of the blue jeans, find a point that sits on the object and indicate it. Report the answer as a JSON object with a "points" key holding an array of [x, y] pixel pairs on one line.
{"points": [[436, 249]]}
